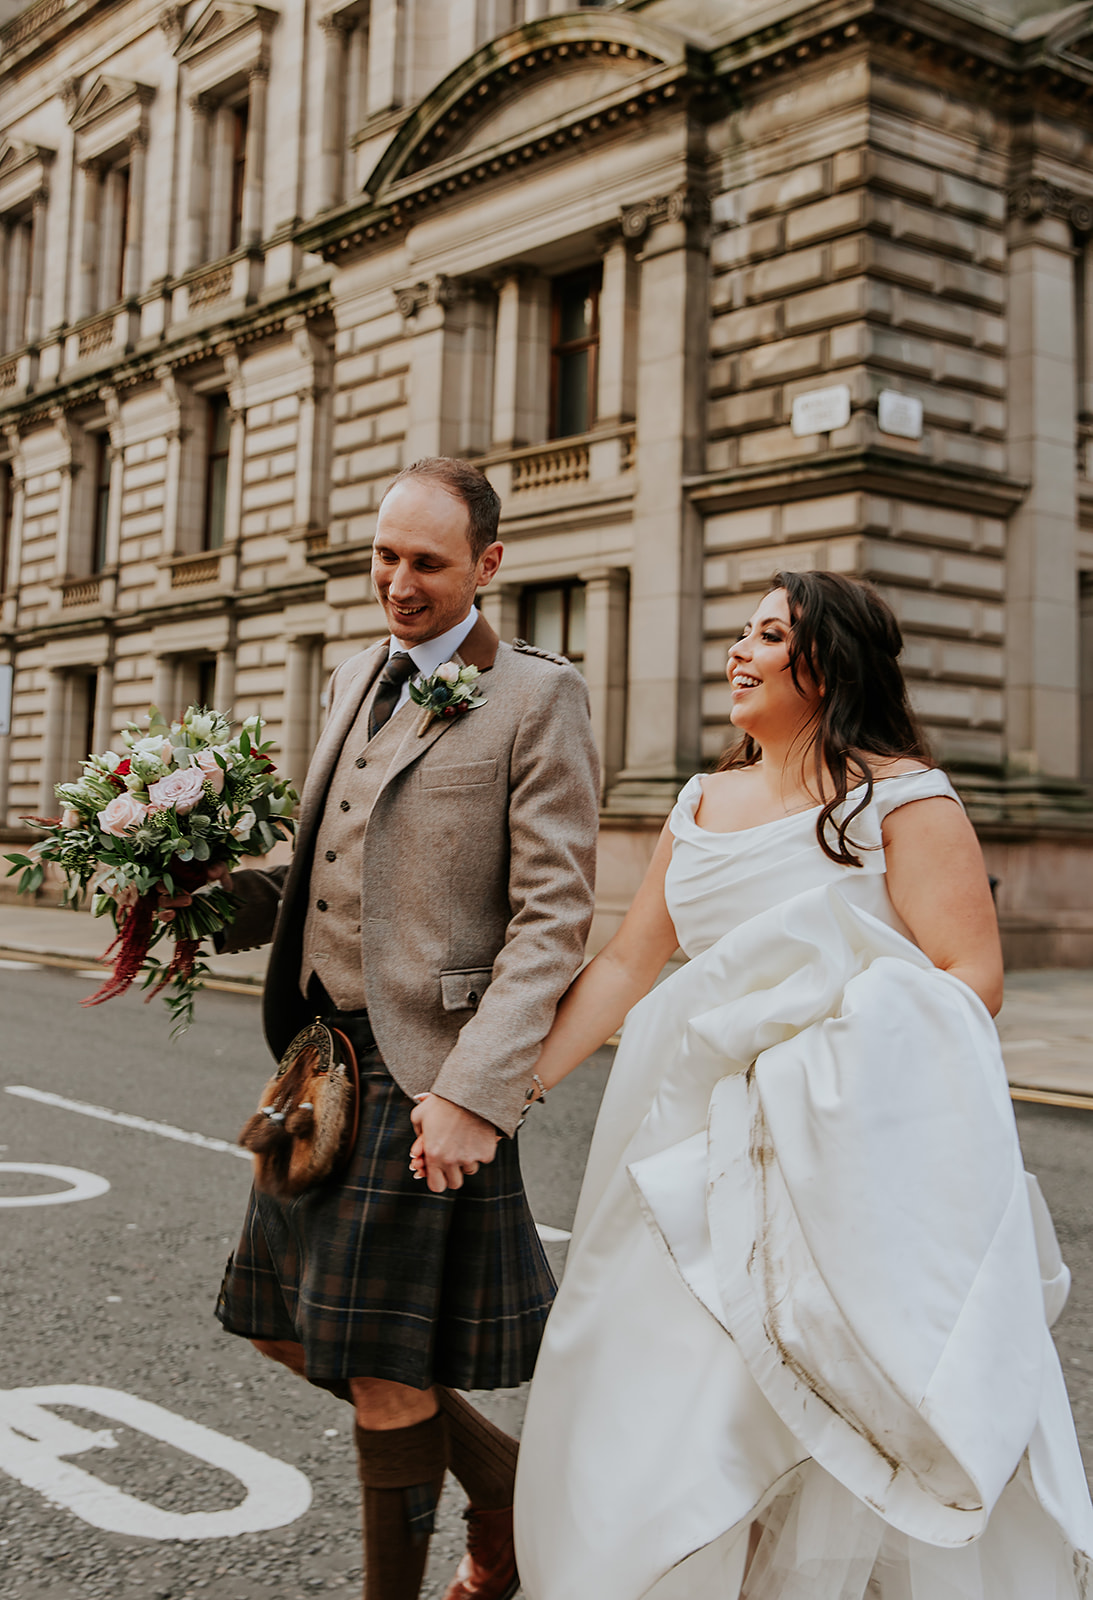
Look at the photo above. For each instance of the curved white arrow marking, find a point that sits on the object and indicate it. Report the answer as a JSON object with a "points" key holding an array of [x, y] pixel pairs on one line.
{"points": [[33, 1440], [83, 1185]]}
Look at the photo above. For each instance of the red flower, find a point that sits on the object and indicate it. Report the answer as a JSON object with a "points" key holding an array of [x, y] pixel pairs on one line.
{"points": [[120, 773]]}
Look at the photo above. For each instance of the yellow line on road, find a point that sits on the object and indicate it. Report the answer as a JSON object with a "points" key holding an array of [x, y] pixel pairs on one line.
{"points": [[1051, 1097]]}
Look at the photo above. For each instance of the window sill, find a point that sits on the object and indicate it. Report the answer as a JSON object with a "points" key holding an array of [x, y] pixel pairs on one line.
{"points": [[586, 465]]}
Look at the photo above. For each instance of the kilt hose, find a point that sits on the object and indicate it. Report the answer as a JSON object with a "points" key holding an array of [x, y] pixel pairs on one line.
{"points": [[377, 1277]]}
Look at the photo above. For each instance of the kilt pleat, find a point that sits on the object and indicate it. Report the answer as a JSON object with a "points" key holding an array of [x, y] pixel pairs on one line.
{"points": [[376, 1276]]}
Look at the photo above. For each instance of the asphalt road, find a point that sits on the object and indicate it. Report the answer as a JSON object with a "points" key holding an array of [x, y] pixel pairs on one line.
{"points": [[114, 1293]]}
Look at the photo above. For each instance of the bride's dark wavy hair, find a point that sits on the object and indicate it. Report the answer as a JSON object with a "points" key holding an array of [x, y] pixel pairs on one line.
{"points": [[846, 638]]}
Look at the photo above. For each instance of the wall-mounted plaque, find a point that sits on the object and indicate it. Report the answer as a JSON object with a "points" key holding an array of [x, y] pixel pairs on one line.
{"points": [[900, 414], [821, 410]]}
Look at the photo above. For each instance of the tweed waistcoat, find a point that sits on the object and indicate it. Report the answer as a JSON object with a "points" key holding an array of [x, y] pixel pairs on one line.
{"points": [[332, 929]]}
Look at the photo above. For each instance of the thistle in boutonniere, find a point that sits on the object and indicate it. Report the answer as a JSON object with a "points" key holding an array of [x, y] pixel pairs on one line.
{"points": [[448, 692]]}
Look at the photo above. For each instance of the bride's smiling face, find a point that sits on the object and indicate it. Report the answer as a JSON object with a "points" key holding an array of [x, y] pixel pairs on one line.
{"points": [[765, 699]]}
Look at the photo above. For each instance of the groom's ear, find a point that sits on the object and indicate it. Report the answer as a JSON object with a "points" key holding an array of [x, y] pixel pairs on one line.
{"points": [[489, 562]]}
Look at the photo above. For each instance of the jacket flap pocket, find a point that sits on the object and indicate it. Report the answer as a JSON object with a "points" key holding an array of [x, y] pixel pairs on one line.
{"points": [[463, 772], [461, 991]]}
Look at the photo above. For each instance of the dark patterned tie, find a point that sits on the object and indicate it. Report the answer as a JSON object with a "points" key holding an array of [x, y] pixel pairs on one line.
{"points": [[399, 667]]}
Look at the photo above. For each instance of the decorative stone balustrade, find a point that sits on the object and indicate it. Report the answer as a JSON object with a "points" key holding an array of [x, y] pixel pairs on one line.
{"points": [[190, 571], [81, 592], [549, 466], [211, 287], [9, 373], [95, 336]]}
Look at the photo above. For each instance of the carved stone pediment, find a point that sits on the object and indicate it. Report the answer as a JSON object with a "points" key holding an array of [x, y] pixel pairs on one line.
{"points": [[24, 171], [224, 40], [109, 113], [530, 85], [1070, 42]]}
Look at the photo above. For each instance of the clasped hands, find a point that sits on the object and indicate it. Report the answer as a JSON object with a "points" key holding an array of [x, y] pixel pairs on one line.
{"points": [[452, 1143]]}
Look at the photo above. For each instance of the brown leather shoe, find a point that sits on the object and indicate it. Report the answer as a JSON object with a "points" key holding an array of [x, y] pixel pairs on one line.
{"points": [[488, 1568]]}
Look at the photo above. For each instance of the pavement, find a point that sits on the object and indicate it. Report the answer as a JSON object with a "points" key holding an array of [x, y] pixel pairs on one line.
{"points": [[1045, 1025]]}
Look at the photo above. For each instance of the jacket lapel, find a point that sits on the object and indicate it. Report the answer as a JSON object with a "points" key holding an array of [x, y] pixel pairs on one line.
{"points": [[479, 649], [364, 669]]}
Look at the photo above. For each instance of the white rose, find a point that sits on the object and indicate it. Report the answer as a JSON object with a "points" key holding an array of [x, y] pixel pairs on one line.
{"points": [[245, 825], [71, 818], [201, 725], [448, 673]]}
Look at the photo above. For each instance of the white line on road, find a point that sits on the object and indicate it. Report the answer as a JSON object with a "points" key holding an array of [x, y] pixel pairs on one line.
{"points": [[125, 1120]]}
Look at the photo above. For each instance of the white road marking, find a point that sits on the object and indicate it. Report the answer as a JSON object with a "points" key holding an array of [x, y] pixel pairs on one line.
{"points": [[17, 966], [83, 1185], [33, 1440], [125, 1119], [166, 1131]]}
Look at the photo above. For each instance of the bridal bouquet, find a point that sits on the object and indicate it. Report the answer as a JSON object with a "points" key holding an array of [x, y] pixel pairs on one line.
{"points": [[187, 800]]}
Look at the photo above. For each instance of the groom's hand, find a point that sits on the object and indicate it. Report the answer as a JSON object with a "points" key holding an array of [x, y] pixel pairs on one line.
{"points": [[451, 1142]]}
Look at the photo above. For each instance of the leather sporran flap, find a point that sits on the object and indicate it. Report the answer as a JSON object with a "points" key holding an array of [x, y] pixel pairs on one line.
{"points": [[306, 1122]]}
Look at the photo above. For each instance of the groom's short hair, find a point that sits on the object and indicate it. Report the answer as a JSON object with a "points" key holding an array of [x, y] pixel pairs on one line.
{"points": [[467, 483]]}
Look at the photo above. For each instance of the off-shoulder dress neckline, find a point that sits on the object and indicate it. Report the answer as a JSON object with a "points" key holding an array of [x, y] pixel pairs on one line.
{"points": [[790, 816]]}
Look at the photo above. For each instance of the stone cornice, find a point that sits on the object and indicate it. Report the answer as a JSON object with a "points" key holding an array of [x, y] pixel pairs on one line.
{"points": [[249, 327]]}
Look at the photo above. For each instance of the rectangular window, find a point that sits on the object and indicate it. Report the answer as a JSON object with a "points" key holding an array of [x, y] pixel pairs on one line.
{"points": [[121, 201], [206, 683], [574, 347], [553, 618], [239, 118], [102, 502], [216, 471]]}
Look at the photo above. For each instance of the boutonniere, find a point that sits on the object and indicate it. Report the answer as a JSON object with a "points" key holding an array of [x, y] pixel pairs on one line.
{"points": [[448, 692]]}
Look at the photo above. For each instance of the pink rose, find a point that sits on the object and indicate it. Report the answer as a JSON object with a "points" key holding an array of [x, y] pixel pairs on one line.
{"points": [[179, 789], [71, 818], [206, 760], [121, 813]]}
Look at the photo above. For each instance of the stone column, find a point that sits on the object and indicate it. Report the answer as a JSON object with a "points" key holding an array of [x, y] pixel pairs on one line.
{"points": [[197, 204], [663, 742], [18, 279], [91, 187], [5, 749], [37, 283], [606, 628], [521, 374], [53, 742], [617, 378], [336, 31], [103, 730], [224, 681], [255, 165], [1085, 641], [164, 679], [5, 268], [132, 279], [113, 508], [1042, 702], [298, 715]]}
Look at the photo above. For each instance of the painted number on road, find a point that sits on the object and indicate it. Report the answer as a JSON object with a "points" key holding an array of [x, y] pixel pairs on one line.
{"points": [[34, 1439], [81, 1185]]}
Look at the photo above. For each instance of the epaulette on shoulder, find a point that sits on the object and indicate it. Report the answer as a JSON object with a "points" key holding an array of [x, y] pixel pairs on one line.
{"points": [[544, 655]]}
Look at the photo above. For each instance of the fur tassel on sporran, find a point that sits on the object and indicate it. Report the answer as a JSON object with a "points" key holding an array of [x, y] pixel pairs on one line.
{"points": [[306, 1122]]}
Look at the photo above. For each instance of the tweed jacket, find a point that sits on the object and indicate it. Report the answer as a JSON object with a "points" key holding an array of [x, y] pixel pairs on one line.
{"points": [[477, 879]]}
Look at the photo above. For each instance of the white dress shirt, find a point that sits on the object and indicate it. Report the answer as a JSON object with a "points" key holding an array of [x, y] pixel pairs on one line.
{"points": [[433, 652]]}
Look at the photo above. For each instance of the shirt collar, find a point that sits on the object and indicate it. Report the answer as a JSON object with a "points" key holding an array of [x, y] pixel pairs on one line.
{"points": [[434, 652]]}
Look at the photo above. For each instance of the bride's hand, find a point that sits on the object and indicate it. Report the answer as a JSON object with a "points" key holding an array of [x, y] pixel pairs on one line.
{"points": [[168, 904]]}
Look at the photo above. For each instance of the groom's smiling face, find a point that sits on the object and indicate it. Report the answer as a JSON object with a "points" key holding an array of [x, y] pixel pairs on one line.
{"points": [[423, 569]]}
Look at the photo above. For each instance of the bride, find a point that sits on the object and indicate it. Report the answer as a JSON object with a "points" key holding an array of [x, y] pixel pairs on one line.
{"points": [[801, 1349]]}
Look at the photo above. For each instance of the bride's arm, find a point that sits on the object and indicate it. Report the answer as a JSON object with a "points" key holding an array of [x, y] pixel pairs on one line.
{"points": [[625, 970], [939, 886]]}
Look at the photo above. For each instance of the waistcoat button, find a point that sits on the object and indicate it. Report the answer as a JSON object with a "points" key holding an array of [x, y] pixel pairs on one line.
{"points": [[362, 761], [472, 998], [321, 904], [332, 855], [345, 805]]}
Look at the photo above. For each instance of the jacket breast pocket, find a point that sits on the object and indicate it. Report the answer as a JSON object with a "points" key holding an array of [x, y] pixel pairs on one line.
{"points": [[462, 774], [461, 991]]}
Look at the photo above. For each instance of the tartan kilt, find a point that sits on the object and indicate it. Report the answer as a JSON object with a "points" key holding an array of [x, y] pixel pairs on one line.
{"points": [[378, 1277]]}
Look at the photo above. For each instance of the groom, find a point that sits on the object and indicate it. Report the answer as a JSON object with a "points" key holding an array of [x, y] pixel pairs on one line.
{"points": [[435, 910]]}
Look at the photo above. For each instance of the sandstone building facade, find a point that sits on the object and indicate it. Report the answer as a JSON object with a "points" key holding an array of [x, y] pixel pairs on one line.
{"points": [[254, 258]]}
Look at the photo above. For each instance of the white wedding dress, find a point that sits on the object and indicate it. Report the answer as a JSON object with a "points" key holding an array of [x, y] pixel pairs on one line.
{"points": [[809, 1283]]}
